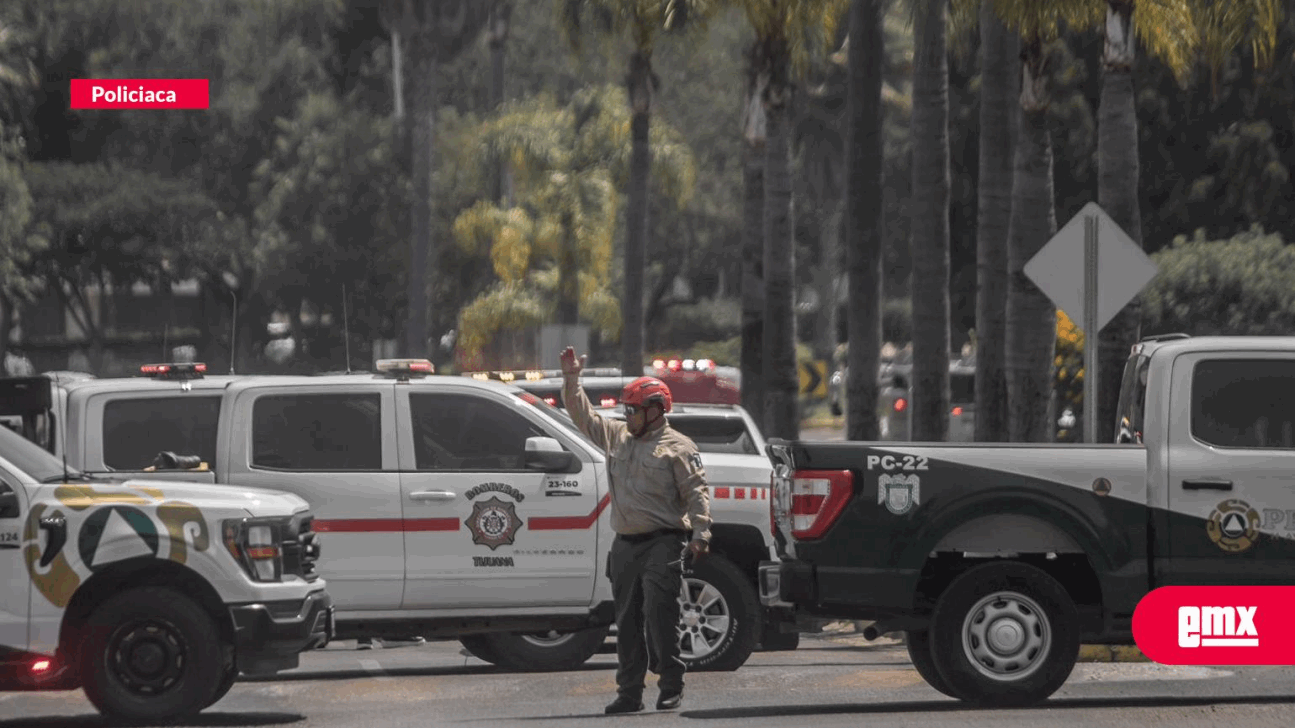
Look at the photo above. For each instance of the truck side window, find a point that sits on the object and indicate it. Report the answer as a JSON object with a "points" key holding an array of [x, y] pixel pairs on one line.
{"points": [[8, 501], [1244, 403], [458, 432], [317, 432], [136, 430]]}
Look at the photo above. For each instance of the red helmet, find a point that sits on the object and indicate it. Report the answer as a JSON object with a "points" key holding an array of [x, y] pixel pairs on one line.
{"points": [[647, 390]]}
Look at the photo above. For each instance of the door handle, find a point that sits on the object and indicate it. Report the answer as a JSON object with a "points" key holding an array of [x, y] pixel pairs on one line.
{"points": [[1207, 484], [57, 527], [432, 495]]}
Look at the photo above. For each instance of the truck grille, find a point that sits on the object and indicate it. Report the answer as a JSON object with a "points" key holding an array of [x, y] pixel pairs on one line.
{"points": [[301, 549]]}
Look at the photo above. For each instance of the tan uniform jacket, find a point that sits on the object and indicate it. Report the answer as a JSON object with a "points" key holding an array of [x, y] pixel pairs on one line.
{"points": [[657, 482]]}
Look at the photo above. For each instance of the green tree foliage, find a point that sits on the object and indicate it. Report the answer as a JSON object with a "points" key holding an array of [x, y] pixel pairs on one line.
{"points": [[1242, 285], [568, 163]]}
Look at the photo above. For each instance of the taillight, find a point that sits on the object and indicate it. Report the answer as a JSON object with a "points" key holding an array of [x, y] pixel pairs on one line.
{"points": [[817, 499], [957, 411], [607, 401], [901, 404]]}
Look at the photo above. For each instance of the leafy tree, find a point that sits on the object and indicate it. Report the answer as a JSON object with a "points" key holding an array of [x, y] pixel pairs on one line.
{"points": [[569, 163], [19, 240], [1240, 286], [643, 21], [787, 33]]}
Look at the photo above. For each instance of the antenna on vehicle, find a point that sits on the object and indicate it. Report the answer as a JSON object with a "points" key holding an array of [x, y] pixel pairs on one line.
{"points": [[233, 331], [346, 330]]}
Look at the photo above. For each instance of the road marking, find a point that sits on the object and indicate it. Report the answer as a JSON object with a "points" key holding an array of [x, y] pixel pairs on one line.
{"points": [[375, 667]]}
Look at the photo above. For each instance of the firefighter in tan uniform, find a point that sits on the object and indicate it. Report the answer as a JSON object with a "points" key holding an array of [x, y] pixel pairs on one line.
{"points": [[660, 502]]}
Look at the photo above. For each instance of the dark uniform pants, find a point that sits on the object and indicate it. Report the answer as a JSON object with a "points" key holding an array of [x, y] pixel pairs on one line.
{"points": [[646, 589]]}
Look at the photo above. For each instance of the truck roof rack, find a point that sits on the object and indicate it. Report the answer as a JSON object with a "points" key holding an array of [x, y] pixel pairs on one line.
{"points": [[1166, 337]]}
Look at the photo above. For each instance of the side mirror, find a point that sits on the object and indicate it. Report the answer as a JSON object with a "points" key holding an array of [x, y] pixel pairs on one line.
{"points": [[546, 454], [8, 502]]}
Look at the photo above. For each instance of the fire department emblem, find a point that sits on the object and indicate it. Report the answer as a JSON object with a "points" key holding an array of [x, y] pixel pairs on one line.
{"points": [[493, 523], [1233, 526], [899, 492]]}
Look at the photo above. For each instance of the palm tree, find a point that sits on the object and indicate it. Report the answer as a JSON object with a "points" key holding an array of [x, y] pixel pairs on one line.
{"points": [[436, 31], [1165, 28], [644, 21], [753, 152], [1031, 316], [864, 214], [930, 223], [999, 76], [787, 32]]}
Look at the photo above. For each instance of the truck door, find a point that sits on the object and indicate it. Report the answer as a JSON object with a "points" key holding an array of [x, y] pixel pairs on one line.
{"points": [[481, 528], [335, 447], [1231, 445], [15, 586]]}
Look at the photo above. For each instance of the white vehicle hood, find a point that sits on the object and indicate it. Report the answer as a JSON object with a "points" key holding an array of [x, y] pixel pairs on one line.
{"points": [[205, 496]]}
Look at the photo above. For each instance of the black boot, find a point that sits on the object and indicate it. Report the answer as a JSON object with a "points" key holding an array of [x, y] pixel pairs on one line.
{"points": [[624, 704], [669, 700]]}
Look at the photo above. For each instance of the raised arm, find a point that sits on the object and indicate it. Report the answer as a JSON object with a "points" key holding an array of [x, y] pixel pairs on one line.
{"points": [[601, 430]]}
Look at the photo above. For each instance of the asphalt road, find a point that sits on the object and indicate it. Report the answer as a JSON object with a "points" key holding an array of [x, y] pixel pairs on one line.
{"points": [[829, 681]]}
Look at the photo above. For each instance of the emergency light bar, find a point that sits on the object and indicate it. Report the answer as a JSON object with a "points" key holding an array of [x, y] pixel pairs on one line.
{"points": [[535, 375], [405, 367], [687, 365], [185, 370]]}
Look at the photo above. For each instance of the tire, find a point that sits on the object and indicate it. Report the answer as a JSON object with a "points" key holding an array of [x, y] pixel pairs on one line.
{"points": [[919, 652], [708, 642], [228, 679], [480, 648], [1025, 606], [180, 662], [540, 652]]}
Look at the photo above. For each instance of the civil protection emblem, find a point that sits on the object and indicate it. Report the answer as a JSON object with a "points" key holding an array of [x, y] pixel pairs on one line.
{"points": [[899, 492], [1233, 526], [493, 523]]}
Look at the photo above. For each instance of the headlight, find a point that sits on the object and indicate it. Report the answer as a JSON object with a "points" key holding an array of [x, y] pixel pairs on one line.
{"points": [[255, 543]]}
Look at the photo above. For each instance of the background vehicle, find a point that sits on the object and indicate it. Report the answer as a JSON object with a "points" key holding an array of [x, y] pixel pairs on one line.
{"points": [[999, 560], [152, 596], [894, 395], [691, 381], [454, 508]]}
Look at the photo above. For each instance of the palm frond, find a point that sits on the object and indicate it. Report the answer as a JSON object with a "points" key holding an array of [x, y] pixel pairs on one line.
{"points": [[1167, 29]]}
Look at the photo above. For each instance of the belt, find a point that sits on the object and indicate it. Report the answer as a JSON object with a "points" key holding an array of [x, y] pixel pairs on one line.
{"points": [[641, 537]]}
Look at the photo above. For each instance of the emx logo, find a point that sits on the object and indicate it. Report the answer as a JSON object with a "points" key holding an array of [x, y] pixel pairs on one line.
{"points": [[1217, 627], [1221, 625]]}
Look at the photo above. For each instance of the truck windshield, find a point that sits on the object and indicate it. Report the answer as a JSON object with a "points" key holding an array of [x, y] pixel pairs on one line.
{"points": [[1133, 400], [29, 457]]}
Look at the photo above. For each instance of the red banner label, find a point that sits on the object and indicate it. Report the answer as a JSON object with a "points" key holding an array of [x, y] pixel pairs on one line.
{"points": [[140, 93], [1216, 625]]}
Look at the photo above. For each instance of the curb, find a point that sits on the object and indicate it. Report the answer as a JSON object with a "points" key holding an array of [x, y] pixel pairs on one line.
{"points": [[1111, 653]]}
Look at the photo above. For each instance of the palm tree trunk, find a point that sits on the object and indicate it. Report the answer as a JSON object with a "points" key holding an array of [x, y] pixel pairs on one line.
{"points": [[930, 227], [753, 153], [423, 110], [641, 82], [864, 216], [1117, 194], [999, 75], [1031, 316], [568, 272], [781, 406]]}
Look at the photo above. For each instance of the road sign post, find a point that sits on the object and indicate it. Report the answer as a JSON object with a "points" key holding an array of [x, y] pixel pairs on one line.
{"points": [[1091, 269]]}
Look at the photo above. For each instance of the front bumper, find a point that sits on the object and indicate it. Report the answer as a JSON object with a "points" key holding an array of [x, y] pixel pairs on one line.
{"points": [[270, 636]]}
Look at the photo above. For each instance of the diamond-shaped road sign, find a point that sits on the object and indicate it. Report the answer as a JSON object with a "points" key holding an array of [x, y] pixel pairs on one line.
{"points": [[1122, 268], [1091, 269]]}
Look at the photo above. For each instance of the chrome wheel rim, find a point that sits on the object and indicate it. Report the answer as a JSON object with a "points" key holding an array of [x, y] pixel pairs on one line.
{"points": [[704, 619], [552, 638]]}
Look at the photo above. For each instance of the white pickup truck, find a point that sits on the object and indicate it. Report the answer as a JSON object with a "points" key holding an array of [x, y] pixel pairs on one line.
{"points": [[451, 508], [151, 595]]}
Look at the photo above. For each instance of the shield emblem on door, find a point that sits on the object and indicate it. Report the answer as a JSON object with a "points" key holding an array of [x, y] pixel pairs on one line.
{"points": [[899, 492]]}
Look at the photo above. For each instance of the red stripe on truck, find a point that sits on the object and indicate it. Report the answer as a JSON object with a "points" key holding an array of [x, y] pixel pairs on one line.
{"points": [[568, 523], [385, 525]]}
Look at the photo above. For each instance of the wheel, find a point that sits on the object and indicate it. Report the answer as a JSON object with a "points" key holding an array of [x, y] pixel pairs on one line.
{"points": [[1005, 635], [919, 651], [543, 651], [719, 619], [151, 655], [228, 679], [480, 648]]}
